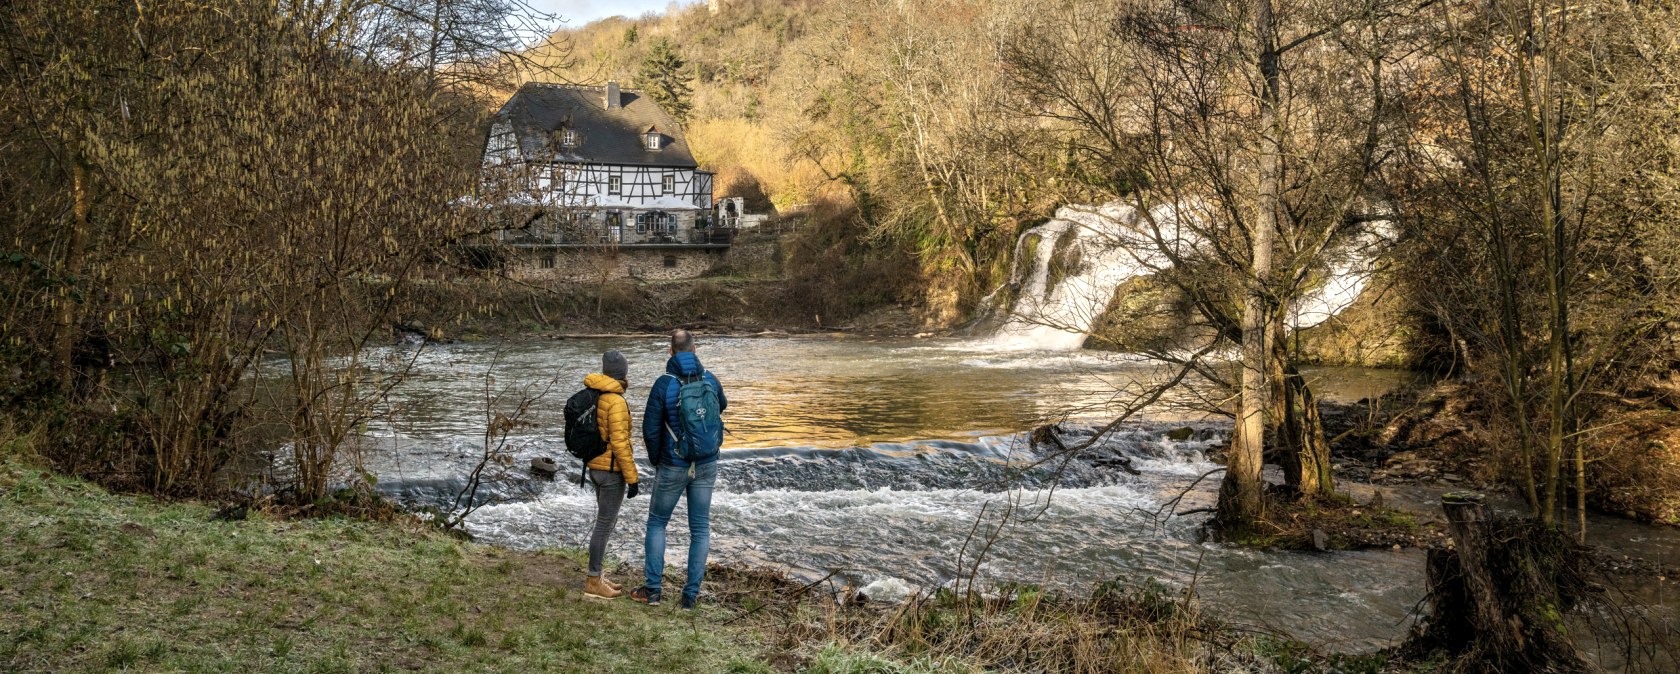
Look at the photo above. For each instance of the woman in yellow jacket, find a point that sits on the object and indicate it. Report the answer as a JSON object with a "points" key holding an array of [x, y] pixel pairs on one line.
{"points": [[614, 471]]}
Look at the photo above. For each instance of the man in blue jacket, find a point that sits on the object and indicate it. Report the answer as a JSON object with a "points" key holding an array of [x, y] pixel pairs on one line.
{"points": [[683, 428]]}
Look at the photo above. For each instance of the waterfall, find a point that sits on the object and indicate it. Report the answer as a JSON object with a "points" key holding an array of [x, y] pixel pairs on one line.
{"points": [[1350, 269], [1077, 261], [1067, 270]]}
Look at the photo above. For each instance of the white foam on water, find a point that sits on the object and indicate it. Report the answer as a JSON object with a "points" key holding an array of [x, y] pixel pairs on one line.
{"points": [[890, 542], [1104, 247], [1032, 363], [888, 589], [860, 530]]}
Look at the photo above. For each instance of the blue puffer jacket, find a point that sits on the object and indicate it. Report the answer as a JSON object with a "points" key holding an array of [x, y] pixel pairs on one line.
{"points": [[660, 426]]}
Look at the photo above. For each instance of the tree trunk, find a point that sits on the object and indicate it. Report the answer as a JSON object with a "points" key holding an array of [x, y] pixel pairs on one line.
{"points": [[1240, 502], [1467, 523], [1240, 497], [68, 323], [1302, 450], [1302, 436], [1498, 596]]}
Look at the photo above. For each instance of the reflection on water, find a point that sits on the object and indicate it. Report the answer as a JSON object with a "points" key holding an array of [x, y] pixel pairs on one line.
{"points": [[827, 393], [875, 458]]}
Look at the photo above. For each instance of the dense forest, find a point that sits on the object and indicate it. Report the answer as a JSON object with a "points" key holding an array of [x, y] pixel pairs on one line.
{"points": [[210, 214]]}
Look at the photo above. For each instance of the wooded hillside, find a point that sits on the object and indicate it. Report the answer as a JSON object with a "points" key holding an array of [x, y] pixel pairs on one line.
{"points": [[1525, 153]]}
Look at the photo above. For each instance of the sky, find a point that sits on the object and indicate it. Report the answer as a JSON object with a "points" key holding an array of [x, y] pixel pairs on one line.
{"points": [[579, 12]]}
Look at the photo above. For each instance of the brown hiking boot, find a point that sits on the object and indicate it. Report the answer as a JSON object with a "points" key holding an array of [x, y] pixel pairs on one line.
{"points": [[594, 586], [615, 586], [645, 596]]}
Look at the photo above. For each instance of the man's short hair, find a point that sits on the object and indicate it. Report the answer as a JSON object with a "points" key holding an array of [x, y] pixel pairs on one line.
{"points": [[681, 340]]}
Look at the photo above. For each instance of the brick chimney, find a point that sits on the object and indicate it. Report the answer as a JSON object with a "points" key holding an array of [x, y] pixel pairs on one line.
{"points": [[613, 100]]}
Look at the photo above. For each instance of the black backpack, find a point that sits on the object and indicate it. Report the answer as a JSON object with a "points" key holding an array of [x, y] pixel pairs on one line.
{"points": [[583, 434]]}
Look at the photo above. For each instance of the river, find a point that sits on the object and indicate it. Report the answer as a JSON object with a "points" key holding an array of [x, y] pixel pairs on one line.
{"points": [[873, 459]]}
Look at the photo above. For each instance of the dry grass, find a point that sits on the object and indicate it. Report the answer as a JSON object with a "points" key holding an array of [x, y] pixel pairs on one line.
{"points": [[1147, 629], [1636, 469]]}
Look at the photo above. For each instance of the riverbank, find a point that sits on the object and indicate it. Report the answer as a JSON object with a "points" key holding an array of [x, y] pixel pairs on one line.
{"points": [[93, 581], [488, 309]]}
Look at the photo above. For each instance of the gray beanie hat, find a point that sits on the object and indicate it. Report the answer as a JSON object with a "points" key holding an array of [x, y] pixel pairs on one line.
{"points": [[614, 365]]}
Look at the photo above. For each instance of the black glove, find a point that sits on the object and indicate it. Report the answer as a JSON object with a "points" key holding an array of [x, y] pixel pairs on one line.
{"points": [[635, 488]]}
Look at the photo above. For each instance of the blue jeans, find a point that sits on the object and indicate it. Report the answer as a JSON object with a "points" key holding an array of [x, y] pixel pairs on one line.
{"points": [[670, 484]]}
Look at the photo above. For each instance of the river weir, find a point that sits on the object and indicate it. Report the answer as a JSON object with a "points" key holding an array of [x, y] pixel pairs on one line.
{"points": [[874, 459]]}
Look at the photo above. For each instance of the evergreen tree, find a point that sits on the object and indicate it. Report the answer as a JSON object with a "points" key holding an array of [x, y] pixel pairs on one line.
{"points": [[663, 75]]}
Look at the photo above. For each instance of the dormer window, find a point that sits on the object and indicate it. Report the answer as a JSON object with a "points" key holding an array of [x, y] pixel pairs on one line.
{"points": [[652, 138], [568, 138]]}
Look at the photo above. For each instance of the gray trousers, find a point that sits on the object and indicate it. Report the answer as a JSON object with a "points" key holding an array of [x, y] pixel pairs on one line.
{"points": [[609, 495]]}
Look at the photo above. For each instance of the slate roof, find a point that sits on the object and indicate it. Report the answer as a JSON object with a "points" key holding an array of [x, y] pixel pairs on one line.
{"points": [[605, 136]]}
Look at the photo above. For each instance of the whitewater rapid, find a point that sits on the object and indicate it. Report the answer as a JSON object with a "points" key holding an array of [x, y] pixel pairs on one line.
{"points": [[873, 460], [891, 520]]}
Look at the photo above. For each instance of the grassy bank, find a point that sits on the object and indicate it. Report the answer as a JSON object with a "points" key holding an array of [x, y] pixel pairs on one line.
{"points": [[95, 581]]}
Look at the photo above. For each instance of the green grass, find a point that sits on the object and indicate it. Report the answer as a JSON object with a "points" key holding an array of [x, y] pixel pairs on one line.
{"points": [[836, 660], [91, 581]]}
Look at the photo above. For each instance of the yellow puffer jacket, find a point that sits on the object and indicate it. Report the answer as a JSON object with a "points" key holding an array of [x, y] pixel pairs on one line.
{"points": [[612, 415]]}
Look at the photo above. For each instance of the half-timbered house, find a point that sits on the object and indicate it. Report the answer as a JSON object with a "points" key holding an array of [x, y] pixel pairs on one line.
{"points": [[597, 167]]}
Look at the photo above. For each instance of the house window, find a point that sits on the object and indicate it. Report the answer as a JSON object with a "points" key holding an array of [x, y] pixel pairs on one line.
{"points": [[653, 140], [670, 260], [548, 262], [656, 222], [670, 184], [569, 138], [614, 184]]}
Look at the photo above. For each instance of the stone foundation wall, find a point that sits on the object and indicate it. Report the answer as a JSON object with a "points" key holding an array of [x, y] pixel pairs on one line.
{"points": [[588, 265], [753, 256]]}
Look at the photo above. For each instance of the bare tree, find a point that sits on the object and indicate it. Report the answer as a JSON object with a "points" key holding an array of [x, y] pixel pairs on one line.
{"points": [[1515, 173], [506, 409], [210, 183], [1253, 176]]}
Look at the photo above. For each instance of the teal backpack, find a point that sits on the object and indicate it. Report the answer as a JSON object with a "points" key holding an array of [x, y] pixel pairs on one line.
{"points": [[702, 420]]}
